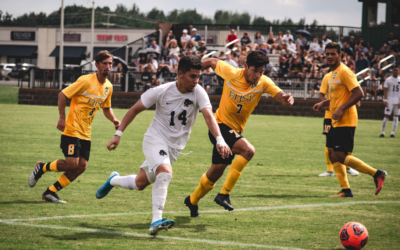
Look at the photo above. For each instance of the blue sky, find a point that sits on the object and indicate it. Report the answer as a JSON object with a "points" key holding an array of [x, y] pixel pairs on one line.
{"points": [[339, 12]]}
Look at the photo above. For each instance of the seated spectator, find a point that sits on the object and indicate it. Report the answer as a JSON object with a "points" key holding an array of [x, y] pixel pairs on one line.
{"points": [[362, 63], [316, 88], [287, 36], [113, 73], [279, 41], [391, 39], [119, 72], [245, 40], [325, 40], [141, 62], [243, 48], [350, 63], [206, 79], [268, 69], [283, 67], [271, 41], [371, 86], [165, 63], [372, 57], [324, 68], [174, 48], [170, 36], [291, 46], [258, 38], [263, 48], [288, 56], [154, 46], [341, 42], [230, 60], [352, 43], [195, 37], [361, 42], [301, 43], [320, 55], [313, 47], [153, 62], [174, 63], [314, 72], [185, 38], [230, 38], [190, 49], [235, 56], [202, 51], [242, 60], [295, 69], [221, 55], [347, 49], [396, 50], [147, 77], [164, 51], [307, 67]]}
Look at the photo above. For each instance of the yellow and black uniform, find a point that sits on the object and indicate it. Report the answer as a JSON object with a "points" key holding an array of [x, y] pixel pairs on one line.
{"points": [[87, 96], [340, 83], [238, 101]]}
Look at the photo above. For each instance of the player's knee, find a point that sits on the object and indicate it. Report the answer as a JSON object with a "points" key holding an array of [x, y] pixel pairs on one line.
{"points": [[73, 165], [250, 151], [82, 167]]}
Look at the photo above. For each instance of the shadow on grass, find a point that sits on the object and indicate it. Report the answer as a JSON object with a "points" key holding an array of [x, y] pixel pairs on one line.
{"points": [[279, 196], [292, 176], [22, 202]]}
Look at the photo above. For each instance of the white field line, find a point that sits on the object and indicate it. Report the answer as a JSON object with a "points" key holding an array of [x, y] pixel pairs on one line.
{"points": [[207, 211], [231, 243]]}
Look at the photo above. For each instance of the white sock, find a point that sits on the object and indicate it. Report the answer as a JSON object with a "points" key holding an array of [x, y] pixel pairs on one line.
{"points": [[159, 194], [384, 123], [127, 182], [395, 123]]}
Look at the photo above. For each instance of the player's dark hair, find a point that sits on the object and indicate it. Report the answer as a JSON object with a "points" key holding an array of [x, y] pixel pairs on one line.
{"points": [[189, 62], [333, 45], [257, 59], [102, 55]]}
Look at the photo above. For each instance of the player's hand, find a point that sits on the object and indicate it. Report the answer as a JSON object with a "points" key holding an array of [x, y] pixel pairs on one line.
{"points": [[386, 104], [337, 114], [61, 124], [113, 144], [288, 98], [317, 107], [116, 124], [358, 104], [224, 150]]}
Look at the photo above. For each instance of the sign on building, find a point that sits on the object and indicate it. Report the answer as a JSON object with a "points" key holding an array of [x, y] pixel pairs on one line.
{"points": [[23, 35]]}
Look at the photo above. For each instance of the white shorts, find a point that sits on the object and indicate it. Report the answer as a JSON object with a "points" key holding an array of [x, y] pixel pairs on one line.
{"points": [[157, 152], [392, 108]]}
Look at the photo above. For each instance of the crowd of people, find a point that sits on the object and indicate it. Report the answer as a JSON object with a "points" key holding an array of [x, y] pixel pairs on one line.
{"points": [[298, 57]]}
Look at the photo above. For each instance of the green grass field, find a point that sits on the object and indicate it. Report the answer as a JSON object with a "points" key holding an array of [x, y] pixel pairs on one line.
{"points": [[8, 95], [280, 201]]}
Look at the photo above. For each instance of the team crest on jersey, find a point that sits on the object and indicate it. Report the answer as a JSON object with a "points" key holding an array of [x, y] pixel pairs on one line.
{"points": [[106, 91], [334, 75], [188, 102], [162, 152]]}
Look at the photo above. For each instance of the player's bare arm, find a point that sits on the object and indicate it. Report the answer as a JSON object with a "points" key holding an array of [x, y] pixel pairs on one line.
{"points": [[108, 112], [284, 99], [385, 90], [128, 118], [322, 98], [210, 62], [222, 147], [356, 96], [62, 102], [320, 105]]}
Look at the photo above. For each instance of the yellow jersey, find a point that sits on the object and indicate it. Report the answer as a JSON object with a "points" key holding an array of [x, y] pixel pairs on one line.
{"points": [[87, 95], [239, 98], [340, 83], [324, 90]]}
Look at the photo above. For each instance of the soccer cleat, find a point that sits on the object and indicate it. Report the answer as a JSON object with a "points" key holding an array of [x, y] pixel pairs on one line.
{"points": [[326, 174], [342, 194], [382, 136], [393, 136], [36, 174], [379, 180], [106, 187], [352, 172], [159, 225], [194, 209], [224, 201], [51, 197]]}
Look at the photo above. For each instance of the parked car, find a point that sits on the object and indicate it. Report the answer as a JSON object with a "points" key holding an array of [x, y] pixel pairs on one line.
{"points": [[22, 70], [6, 68]]}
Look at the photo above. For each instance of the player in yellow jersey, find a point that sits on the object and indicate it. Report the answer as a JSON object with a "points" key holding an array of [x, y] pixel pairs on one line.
{"points": [[241, 93], [88, 94], [343, 93]]}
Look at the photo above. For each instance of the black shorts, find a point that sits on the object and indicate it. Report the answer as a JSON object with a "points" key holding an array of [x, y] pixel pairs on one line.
{"points": [[75, 147], [343, 139], [329, 132], [231, 137]]}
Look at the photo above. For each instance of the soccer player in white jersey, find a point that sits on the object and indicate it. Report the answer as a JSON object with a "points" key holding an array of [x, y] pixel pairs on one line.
{"points": [[177, 106], [391, 98]]}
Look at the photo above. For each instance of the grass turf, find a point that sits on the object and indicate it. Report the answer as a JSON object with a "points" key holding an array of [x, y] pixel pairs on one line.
{"points": [[284, 172], [8, 95]]}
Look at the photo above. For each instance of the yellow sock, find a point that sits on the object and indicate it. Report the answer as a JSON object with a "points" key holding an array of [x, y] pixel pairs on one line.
{"points": [[359, 165], [234, 173], [328, 160], [341, 175], [60, 184], [204, 187], [51, 166]]}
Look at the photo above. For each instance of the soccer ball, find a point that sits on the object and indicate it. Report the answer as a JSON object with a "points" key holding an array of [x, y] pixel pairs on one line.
{"points": [[353, 235]]}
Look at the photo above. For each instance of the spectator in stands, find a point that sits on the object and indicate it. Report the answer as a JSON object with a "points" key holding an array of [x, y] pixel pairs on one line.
{"points": [[244, 48], [320, 55], [113, 73], [165, 62], [361, 42], [263, 48], [271, 41], [206, 79], [307, 67], [202, 51], [147, 77], [119, 73], [235, 56], [141, 62], [268, 69], [174, 48], [352, 43], [295, 69], [291, 46], [196, 37], [350, 63], [242, 60], [245, 40], [230, 60], [153, 62], [324, 68], [396, 50], [391, 39], [185, 38], [287, 36], [326, 40], [170, 36], [368, 46], [190, 49], [316, 88], [372, 57], [165, 50], [283, 67], [154, 46], [313, 47], [174, 63], [279, 41], [341, 41], [301, 43], [181, 53], [221, 55], [258, 38], [347, 49], [371, 86], [314, 70], [362, 63], [230, 38], [288, 56]]}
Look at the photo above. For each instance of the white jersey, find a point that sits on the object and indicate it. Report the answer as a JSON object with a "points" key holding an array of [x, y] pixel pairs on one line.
{"points": [[175, 112], [393, 89]]}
